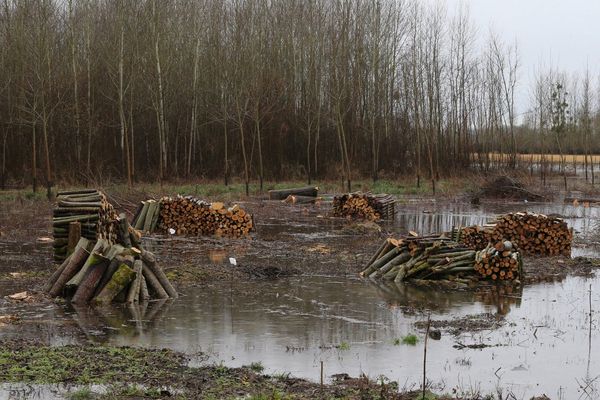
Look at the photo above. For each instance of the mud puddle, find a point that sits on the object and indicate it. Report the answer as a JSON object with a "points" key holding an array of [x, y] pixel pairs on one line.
{"points": [[536, 341]]}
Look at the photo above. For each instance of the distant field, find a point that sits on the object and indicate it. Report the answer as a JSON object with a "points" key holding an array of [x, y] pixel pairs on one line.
{"points": [[554, 158]]}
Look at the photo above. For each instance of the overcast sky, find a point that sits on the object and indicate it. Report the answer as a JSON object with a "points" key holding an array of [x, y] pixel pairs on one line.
{"points": [[560, 33]]}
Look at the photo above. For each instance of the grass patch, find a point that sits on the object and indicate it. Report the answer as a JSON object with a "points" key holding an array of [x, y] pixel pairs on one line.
{"points": [[344, 346], [81, 394], [256, 367], [216, 190], [85, 365], [410, 340]]}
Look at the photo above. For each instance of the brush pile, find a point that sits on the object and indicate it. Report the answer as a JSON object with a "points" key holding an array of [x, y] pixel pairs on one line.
{"points": [[90, 208], [439, 258], [101, 273], [531, 233], [506, 187], [364, 205], [187, 215]]}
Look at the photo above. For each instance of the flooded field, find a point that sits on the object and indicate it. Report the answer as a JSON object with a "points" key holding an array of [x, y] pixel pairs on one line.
{"points": [[538, 339]]}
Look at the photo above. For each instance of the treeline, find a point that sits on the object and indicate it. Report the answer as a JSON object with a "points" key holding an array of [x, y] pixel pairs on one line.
{"points": [[256, 89]]}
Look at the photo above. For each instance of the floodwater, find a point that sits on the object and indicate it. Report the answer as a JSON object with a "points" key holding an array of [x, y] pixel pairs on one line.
{"points": [[545, 343], [540, 339]]}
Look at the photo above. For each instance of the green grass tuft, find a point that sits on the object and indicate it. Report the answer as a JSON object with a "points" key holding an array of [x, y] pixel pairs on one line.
{"points": [[410, 340]]}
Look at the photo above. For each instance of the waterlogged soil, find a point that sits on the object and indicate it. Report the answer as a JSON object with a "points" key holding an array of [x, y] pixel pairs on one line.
{"points": [[107, 372], [288, 297]]}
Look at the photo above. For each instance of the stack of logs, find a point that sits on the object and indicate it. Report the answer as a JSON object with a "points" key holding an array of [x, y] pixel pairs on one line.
{"points": [[101, 273], [531, 233], [364, 205], [439, 258], [188, 215], [89, 207], [146, 216], [499, 261]]}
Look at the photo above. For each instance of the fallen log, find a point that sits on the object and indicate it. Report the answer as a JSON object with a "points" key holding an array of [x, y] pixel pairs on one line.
{"points": [[281, 194], [296, 199]]}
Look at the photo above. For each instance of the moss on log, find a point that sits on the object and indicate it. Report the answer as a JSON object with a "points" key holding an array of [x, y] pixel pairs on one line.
{"points": [[119, 281]]}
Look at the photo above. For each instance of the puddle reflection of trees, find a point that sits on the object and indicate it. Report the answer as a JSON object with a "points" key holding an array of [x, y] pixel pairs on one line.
{"points": [[128, 320], [438, 299]]}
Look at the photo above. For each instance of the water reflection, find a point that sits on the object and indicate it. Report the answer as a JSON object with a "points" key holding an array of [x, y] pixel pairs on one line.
{"points": [[126, 320], [442, 301], [292, 325], [441, 218]]}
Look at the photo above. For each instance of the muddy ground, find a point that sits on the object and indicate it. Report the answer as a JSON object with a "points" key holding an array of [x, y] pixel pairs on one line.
{"points": [[126, 372], [289, 240]]}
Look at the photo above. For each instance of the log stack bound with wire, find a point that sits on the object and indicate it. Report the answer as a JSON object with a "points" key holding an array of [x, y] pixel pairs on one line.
{"points": [[364, 206], [187, 215], [535, 234], [437, 257]]}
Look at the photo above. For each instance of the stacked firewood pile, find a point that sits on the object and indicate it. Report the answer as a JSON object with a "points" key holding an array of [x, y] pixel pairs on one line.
{"points": [[101, 273], [474, 237], [90, 208], [439, 258], [188, 215], [531, 233], [364, 205], [499, 261]]}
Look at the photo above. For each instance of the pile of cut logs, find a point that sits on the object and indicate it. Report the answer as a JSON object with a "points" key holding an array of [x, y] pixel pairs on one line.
{"points": [[146, 216], [101, 273], [89, 207], [188, 215], [531, 233], [364, 205], [499, 261], [439, 258]]}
